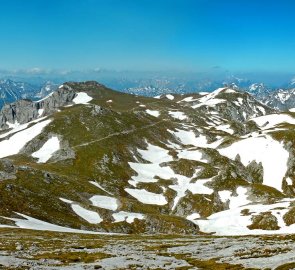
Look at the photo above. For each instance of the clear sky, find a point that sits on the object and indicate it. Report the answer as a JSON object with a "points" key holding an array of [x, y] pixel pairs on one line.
{"points": [[241, 35]]}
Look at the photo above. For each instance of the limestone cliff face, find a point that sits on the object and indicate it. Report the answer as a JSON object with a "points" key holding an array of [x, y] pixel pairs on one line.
{"points": [[24, 111]]}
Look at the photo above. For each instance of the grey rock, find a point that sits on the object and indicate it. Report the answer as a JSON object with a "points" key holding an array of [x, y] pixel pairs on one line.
{"points": [[24, 111], [7, 170], [97, 110]]}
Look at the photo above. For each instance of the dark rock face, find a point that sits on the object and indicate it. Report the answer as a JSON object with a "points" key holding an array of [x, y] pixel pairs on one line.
{"points": [[24, 111]]}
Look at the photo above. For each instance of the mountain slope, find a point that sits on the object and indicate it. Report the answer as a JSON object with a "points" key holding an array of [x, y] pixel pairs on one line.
{"points": [[100, 160]]}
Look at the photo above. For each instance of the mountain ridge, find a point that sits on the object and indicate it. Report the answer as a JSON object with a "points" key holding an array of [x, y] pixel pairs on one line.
{"points": [[105, 161]]}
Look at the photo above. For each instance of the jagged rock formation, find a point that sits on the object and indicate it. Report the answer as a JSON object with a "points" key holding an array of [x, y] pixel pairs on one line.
{"points": [[24, 111]]}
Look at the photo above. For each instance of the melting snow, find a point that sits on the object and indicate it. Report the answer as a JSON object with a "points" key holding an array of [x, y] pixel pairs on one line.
{"points": [[47, 150], [193, 216], [66, 200], [272, 120], [49, 95], [209, 99], [82, 98], [40, 112], [184, 184], [230, 91], [232, 222], [188, 137], [153, 113], [39, 225], [90, 216], [289, 181], [155, 154], [170, 97], [99, 186], [178, 115], [127, 216], [188, 99], [17, 141], [211, 102], [270, 153], [105, 202], [225, 128], [192, 155], [147, 197], [146, 172], [235, 201]]}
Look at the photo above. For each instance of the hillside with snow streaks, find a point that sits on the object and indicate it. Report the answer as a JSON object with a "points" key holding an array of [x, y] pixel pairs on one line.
{"points": [[94, 159]]}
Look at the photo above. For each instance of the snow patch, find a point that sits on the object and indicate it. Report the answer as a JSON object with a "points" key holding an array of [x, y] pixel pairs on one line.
{"points": [[225, 128], [193, 216], [188, 99], [47, 150], [39, 225], [169, 96], [90, 216], [105, 202], [82, 98], [16, 142], [264, 149], [272, 120], [153, 113], [232, 222], [196, 155], [188, 137], [289, 181], [178, 115], [99, 186], [234, 201], [155, 154], [40, 112], [147, 197], [127, 216]]}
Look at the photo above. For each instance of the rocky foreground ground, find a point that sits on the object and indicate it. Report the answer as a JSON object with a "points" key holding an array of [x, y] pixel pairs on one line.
{"points": [[25, 249]]}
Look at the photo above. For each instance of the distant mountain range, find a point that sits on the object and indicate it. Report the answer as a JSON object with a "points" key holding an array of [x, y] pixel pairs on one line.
{"points": [[278, 98], [11, 91]]}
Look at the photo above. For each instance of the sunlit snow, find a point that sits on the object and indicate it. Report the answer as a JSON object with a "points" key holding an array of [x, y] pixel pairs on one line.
{"points": [[264, 149], [153, 113], [105, 202], [169, 96], [178, 115], [47, 150], [127, 216], [82, 98], [17, 141], [90, 216], [147, 197]]}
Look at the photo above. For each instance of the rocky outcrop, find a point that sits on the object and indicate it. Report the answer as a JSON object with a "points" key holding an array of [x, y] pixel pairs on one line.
{"points": [[24, 111], [264, 221], [7, 170]]}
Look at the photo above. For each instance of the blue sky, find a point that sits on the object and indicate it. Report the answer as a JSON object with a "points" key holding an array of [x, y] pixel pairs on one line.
{"points": [[193, 35]]}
